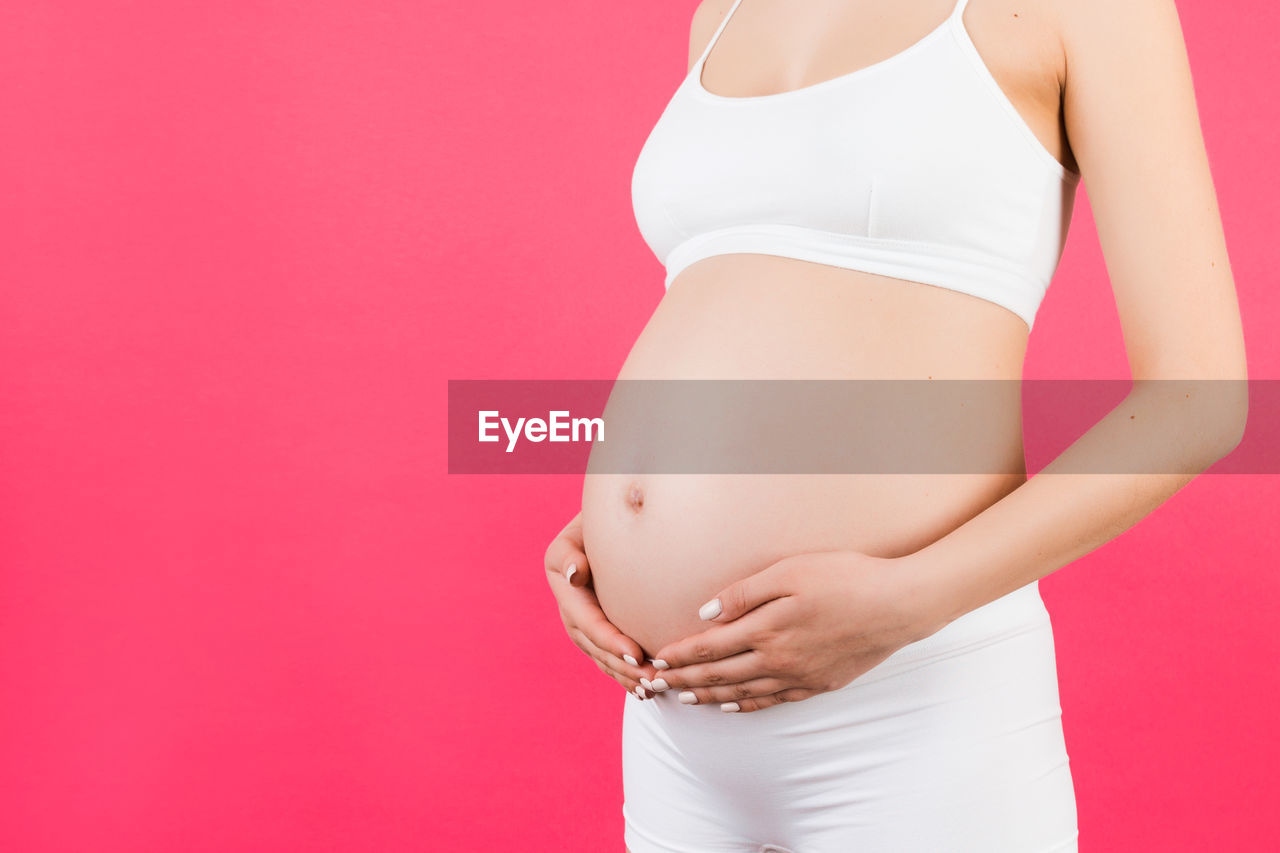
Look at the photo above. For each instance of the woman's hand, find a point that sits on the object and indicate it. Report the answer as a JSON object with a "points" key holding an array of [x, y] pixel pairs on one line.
{"points": [[569, 575], [805, 625]]}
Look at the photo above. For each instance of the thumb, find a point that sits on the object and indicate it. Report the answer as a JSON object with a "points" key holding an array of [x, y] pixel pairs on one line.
{"points": [[747, 594], [569, 554], [576, 568]]}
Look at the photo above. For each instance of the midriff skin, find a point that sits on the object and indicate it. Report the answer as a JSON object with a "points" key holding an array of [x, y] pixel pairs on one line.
{"points": [[660, 545]]}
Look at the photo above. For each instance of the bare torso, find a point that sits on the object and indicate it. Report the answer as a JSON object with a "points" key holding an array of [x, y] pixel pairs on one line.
{"points": [[661, 545]]}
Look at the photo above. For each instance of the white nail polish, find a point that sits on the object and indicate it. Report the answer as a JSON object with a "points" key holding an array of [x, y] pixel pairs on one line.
{"points": [[643, 694], [688, 697], [658, 685], [629, 659], [710, 610], [659, 663], [645, 682], [639, 695], [568, 573], [729, 707]]}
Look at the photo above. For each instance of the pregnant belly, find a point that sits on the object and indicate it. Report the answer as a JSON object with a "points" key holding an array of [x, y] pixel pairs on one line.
{"points": [[661, 544]]}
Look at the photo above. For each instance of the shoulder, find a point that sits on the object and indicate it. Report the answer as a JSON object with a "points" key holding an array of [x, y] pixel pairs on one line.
{"points": [[706, 18], [1126, 62], [1118, 28]]}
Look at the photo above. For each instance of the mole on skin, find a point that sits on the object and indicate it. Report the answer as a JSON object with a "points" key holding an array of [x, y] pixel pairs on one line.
{"points": [[635, 497]]}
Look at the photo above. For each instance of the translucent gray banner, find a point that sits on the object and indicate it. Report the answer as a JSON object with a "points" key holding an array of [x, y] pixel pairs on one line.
{"points": [[863, 426]]}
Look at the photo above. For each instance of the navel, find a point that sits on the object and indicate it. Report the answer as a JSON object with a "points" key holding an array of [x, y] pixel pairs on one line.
{"points": [[635, 497]]}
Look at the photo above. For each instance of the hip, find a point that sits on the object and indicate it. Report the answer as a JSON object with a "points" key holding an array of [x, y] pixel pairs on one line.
{"points": [[954, 742]]}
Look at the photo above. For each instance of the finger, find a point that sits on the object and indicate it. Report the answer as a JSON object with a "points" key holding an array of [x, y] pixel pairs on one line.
{"points": [[745, 706], [576, 567], [735, 669], [719, 641], [615, 666], [749, 593], [619, 670], [567, 559], [583, 610], [636, 690], [755, 688]]}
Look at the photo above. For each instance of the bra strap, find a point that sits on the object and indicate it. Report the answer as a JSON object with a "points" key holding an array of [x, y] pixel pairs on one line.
{"points": [[958, 10], [716, 35]]}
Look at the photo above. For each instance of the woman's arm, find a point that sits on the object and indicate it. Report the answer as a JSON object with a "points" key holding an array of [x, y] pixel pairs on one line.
{"points": [[1131, 117]]}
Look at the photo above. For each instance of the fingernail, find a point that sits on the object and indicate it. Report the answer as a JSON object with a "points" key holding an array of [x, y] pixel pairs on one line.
{"points": [[645, 682], [728, 707], [568, 573], [658, 685], [643, 694], [710, 610], [659, 663], [639, 691], [629, 659], [688, 697]]}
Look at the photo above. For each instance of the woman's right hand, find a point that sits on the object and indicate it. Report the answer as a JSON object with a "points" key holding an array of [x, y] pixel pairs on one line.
{"points": [[569, 575]]}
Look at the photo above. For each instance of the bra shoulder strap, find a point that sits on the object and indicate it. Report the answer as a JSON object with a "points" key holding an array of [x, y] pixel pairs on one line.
{"points": [[958, 10], [716, 35]]}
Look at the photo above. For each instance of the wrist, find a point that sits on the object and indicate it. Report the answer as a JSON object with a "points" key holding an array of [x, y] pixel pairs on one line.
{"points": [[929, 592]]}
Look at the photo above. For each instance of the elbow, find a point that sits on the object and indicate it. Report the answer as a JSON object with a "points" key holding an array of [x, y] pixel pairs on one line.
{"points": [[1224, 426], [1206, 417], [1233, 431], [1234, 401]]}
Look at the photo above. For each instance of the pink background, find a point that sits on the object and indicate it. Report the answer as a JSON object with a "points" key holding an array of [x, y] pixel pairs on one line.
{"points": [[243, 607]]}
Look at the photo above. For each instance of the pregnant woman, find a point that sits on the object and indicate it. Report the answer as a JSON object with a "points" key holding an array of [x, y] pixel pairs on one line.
{"points": [[866, 190]]}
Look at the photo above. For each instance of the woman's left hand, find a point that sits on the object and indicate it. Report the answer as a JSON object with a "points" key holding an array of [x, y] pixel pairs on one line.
{"points": [[805, 625]]}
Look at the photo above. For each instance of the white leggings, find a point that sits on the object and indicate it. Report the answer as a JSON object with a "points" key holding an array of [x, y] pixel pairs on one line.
{"points": [[953, 744]]}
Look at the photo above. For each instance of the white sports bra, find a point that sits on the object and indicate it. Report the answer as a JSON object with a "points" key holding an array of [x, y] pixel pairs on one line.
{"points": [[916, 167]]}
